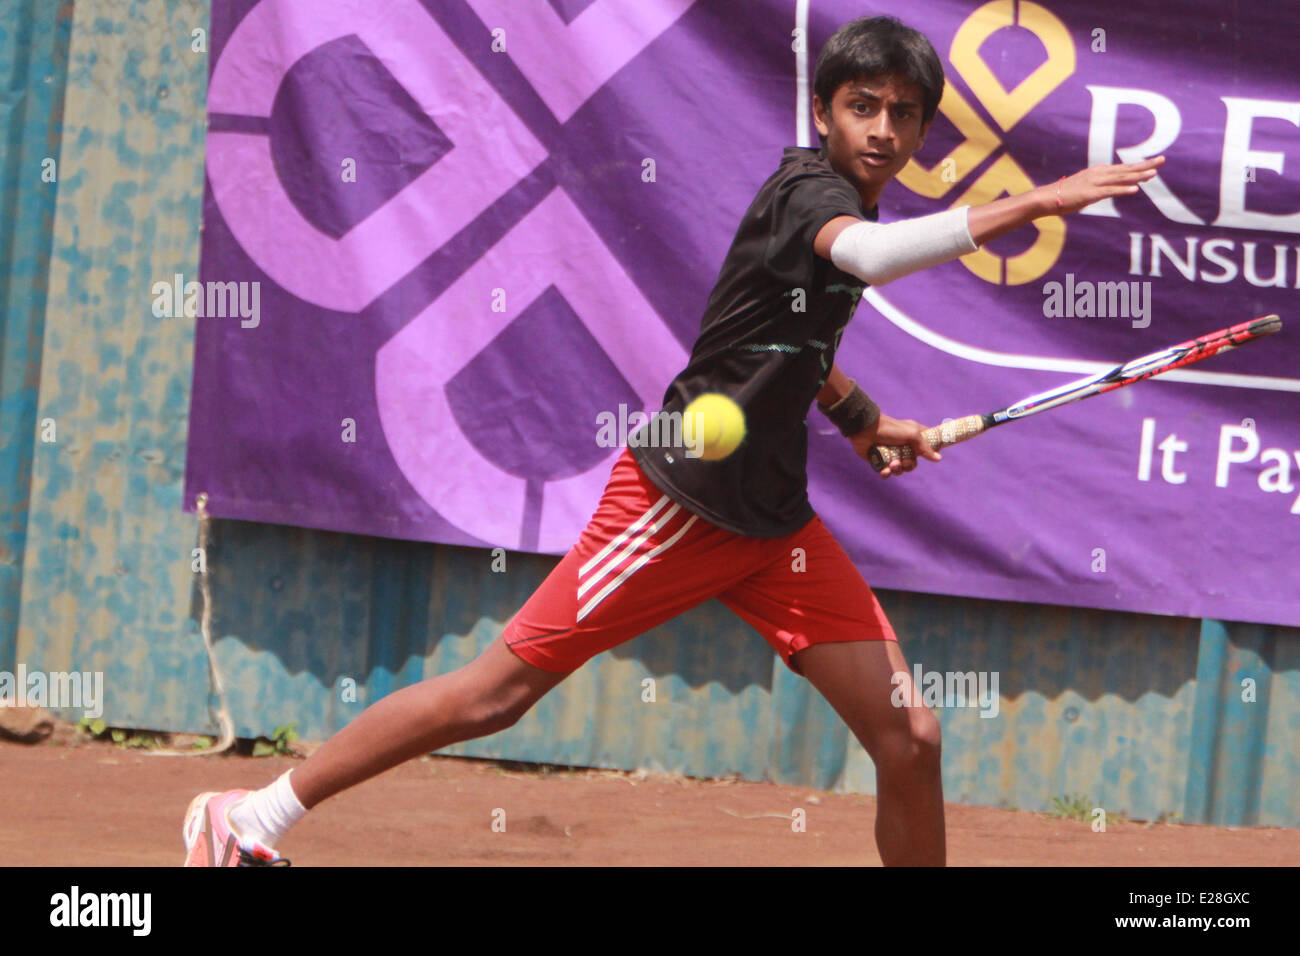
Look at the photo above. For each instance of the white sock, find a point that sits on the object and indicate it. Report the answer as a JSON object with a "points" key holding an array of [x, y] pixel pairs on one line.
{"points": [[267, 814]]}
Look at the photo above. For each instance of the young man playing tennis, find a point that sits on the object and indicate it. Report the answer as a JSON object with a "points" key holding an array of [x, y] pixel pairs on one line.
{"points": [[673, 530]]}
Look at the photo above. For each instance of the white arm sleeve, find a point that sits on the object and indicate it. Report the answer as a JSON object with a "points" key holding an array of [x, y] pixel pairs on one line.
{"points": [[879, 254]]}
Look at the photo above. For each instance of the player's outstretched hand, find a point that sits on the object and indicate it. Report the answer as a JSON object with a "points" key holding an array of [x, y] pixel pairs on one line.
{"points": [[1101, 182], [895, 431]]}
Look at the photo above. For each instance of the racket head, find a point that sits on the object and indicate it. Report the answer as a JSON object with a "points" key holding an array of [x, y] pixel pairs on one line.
{"points": [[1139, 369], [1147, 366], [1264, 325]]}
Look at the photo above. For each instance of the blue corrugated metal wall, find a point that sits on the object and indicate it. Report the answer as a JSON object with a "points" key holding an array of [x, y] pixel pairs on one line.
{"points": [[33, 66], [106, 565], [1144, 714]]}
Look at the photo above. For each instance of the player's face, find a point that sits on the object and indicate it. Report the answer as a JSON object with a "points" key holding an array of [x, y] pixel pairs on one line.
{"points": [[872, 129]]}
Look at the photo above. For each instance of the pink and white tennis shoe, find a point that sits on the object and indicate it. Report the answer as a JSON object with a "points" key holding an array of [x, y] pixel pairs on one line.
{"points": [[209, 840]]}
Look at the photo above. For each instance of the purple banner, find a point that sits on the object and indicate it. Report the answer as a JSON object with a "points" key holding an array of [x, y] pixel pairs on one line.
{"points": [[447, 241]]}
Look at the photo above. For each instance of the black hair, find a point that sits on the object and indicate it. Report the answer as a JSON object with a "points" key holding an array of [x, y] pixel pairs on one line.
{"points": [[876, 46]]}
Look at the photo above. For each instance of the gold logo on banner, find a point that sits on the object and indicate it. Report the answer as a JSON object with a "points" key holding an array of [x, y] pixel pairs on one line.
{"points": [[1005, 176]]}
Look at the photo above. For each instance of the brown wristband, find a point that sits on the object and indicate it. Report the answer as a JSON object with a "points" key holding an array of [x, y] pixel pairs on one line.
{"points": [[853, 413]]}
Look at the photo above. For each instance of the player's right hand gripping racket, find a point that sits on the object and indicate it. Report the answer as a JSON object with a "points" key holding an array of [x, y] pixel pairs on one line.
{"points": [[949, 433]]}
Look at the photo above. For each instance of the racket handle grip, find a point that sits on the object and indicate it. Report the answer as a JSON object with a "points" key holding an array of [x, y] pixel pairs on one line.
{"points": [[940, 436]]}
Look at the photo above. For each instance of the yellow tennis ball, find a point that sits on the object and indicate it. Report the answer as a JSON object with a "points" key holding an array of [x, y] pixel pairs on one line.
{"points": [[713, 426]]}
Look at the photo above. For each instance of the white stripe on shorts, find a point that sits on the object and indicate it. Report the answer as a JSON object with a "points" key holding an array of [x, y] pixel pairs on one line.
{"points": [[631, 529], [632, 545], [632, 569]]}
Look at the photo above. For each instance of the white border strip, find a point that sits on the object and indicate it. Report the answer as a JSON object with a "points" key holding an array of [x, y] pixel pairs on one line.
{"points": [[802, 97]]}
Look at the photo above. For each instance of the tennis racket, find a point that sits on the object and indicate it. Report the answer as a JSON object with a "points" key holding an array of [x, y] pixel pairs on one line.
{"points": [[1176, 356]]}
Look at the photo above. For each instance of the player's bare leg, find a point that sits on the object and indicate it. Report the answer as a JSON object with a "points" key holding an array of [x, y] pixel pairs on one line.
{"points": [[484, 697], [904, 743]]}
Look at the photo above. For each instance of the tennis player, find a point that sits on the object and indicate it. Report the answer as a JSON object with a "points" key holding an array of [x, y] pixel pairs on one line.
{"points": [[673, 530]]}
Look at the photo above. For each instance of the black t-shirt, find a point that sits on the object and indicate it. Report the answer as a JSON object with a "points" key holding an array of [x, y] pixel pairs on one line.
{"points": [[767, 340]]}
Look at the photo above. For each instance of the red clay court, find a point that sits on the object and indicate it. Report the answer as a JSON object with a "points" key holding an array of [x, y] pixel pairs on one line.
{"points": [[100, 805]]}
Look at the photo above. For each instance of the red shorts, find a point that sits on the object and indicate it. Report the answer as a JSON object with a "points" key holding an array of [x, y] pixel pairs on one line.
{"points": [[643, 559]]}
